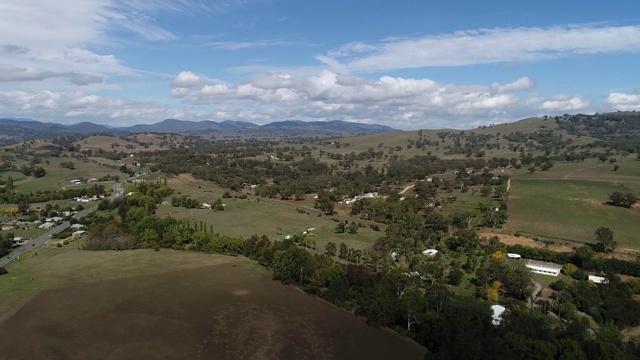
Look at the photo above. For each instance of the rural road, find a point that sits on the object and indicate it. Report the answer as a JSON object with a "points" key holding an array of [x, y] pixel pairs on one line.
{"points": [[33, 244], [536, 290]]}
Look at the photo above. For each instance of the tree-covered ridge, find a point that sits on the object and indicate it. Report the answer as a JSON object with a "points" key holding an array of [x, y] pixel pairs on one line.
{"points": [[619, 130]]}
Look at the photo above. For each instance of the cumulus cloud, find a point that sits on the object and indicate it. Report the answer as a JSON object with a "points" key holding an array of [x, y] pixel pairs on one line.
{"points": [[400, 102], [72, 107], [187, 79], [524, 83], [483, 46], [565, 103], [623, 102]]}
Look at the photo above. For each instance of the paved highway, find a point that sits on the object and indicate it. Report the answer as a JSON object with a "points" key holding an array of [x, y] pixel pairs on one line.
{"points": [[34, 243]]}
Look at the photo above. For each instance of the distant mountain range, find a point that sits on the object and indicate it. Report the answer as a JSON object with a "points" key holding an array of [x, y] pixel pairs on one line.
{"points": [[16, 130]]}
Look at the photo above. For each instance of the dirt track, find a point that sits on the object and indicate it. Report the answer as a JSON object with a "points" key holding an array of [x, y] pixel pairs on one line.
{"points": [[218, 312]]}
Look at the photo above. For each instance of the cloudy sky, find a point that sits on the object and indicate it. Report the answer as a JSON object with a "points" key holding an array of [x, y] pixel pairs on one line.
{"points": [[408, 64]]}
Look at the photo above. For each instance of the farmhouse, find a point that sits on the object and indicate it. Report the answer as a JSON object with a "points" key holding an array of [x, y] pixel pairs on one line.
{"points": [[544, 268]]}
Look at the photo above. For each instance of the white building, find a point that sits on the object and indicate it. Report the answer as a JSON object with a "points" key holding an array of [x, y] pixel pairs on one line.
{"points": [[498, 310], [513, 256], [430, 252], [47, 225], [598, 279], [544, 268]]}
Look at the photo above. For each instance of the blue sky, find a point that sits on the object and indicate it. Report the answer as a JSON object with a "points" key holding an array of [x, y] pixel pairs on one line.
{"points": [[407, 64]]}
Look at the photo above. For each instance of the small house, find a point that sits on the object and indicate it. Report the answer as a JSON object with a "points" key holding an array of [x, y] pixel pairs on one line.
{"points": [[17, 239], [514, 256], [47, 225], [206, 206], [76, 226]]}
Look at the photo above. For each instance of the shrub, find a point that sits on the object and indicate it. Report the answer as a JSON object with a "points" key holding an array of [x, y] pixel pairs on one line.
{"points": [[568, 269], [580, 275], [3, 271], [558, 285]]}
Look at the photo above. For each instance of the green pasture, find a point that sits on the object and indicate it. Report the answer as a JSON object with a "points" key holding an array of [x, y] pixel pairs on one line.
{"points": [[58, 177], [570, 210], [590, 169], [464, 202], [248, 217]]}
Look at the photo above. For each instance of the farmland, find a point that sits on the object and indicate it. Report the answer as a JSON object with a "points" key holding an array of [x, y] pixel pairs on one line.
{"points": [[532, 183], [193, 306], [569, 202]]}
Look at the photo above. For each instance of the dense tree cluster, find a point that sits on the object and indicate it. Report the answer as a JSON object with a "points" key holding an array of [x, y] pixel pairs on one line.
{"points": [[621, 199], [10, 197]]}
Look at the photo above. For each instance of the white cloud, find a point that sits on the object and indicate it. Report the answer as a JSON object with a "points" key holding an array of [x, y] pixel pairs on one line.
{"points": [[400, 102], [483, 46], [565, 103], [73, 107], [188, 79], [524, 83], [42, 40], [236, 45], [623, 102]]}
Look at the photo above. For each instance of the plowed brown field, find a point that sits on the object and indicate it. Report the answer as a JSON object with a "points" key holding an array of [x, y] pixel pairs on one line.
{"points": [[227, 311]]}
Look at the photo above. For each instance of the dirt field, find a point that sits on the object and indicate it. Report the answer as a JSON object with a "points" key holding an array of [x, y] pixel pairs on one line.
{"points": [[227, 311], [525, 241]]}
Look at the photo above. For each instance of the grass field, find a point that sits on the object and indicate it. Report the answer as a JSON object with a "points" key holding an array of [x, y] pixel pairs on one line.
{"points": [[571, 210], [177, 305], [246, 217]]}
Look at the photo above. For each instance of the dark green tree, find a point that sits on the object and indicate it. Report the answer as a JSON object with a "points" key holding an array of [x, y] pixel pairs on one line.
{"points": [[331, 248], [604, 239], [626, 200]]}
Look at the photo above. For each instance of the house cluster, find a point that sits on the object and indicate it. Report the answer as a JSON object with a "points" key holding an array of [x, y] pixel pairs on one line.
{"points": [[53, 221], [551, 269], [371, 195], [86, 199]]}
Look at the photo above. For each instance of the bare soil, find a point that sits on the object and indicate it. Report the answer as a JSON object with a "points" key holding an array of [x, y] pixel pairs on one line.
{"points": [[525, 241], [227, 311]]}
